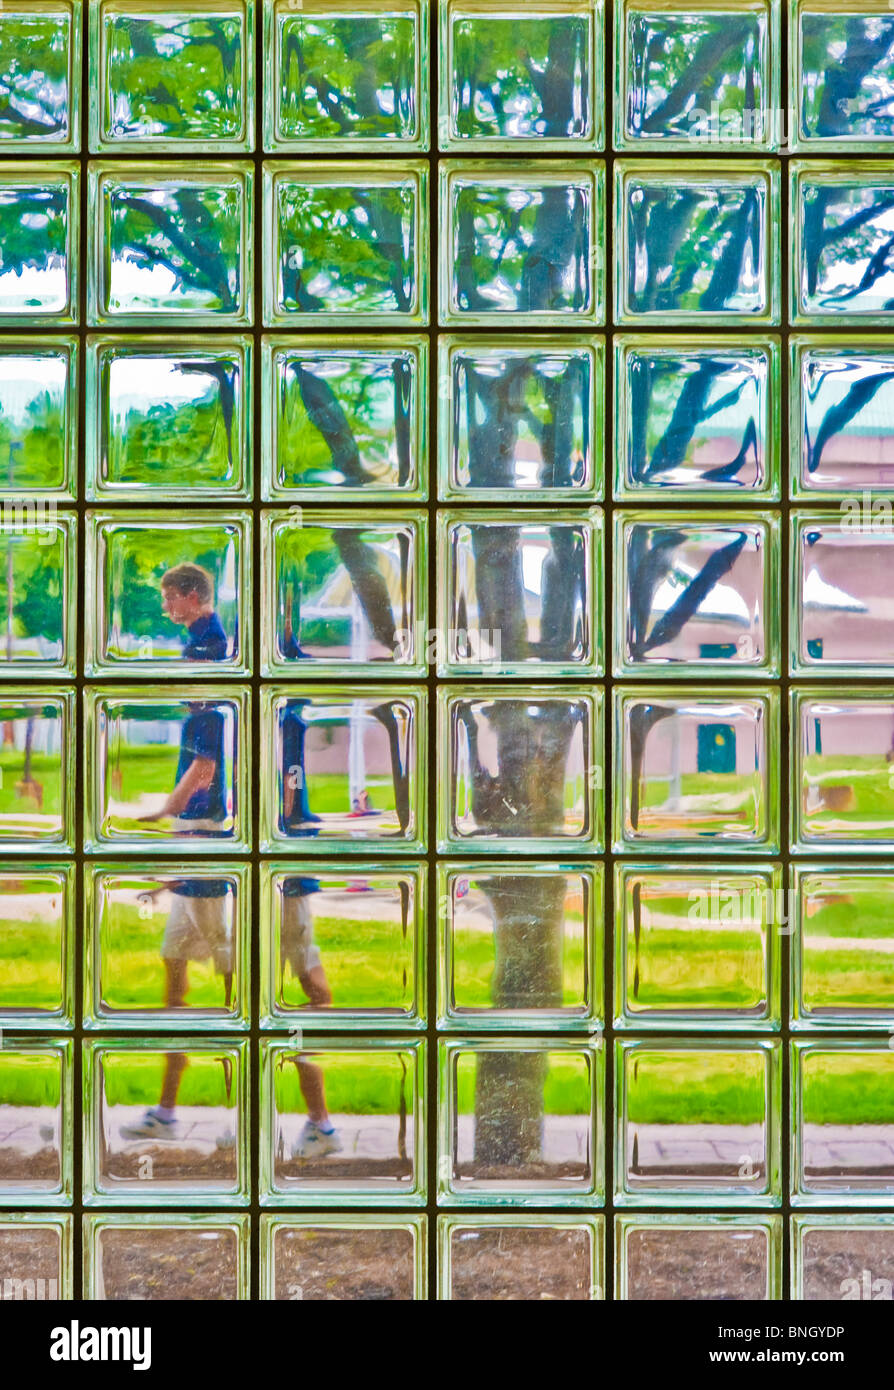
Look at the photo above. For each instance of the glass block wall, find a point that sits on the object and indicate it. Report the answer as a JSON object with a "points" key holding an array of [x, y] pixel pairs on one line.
{"points": [[447, 754]]}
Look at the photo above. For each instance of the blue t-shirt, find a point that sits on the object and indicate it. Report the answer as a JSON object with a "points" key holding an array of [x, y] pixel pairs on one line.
{"points": [[206, 640], [203, 737]]}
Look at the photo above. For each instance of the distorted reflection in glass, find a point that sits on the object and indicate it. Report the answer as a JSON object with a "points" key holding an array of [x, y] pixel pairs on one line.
{"points": [[844, 1118], [844, 783], [39, 56], [841, 594], [37, 416], [693, 1258], [36, 935], [519, 1260], [846, 425], [844, 230], [846, 74], [34, 765], [38, 210], [163, 1258], [844, 947], [341, 1260], [38, 563], [35, 1123]]}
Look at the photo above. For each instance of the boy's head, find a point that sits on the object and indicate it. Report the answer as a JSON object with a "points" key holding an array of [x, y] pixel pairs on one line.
{"points": [[187, 591]]}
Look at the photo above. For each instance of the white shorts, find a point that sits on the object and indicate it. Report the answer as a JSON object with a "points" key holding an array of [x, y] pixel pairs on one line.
{"points": [[296, 942], [196, 929]]}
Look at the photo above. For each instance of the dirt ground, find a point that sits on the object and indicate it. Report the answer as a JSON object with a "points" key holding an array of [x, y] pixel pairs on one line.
{"points": [[168, 1264], [359, 1266]]}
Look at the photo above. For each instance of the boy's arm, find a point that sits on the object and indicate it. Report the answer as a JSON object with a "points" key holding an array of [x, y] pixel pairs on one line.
{"points": [[197, 778]]}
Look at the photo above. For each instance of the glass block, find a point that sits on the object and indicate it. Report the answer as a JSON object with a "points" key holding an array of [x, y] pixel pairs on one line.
{"points": [[344, 768], [342, 949], [842, 948], [344, 1259], [347, 422], [846, 1258], [346, 74], [840, 243], [168, 596], [529, 80], [698, 417], [348, 244], [172, 77], [697, 243], [168, 418], [159, 1257], [36, 946], [698, 1258], [843, 1117], [696, 767], [40, 57], [38, 420], [843, 420], [697, 948], [842, 65], [522, 243], [697, 1122], [541, 403], [696, 594], [520, 1123], [696, 75], [167, 946], [520, 948], [35, 1256], [342, 1124], [840, 621], [170, 242], [521, 772], [165, 1122], [39, 206], [499, 1259], [35, 1123], [841, 798], [520, 593], [344, 593], [36, 781], [165, 773], [38, 556]]}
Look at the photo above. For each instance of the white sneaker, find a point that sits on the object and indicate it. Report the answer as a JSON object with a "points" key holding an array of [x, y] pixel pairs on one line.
{"points": [[151, 1126], [316, 1143]]}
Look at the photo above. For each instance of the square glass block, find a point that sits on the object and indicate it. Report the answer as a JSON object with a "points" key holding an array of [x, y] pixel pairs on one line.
{"points": [[195, 1154], [697, 948], [679, 1259], [343, 1259], [697, 243], [843, 771], [38, 420], [843, 421], [166, 947], [843, 1117], [35, 1256], [846, 1258], [347, 423], [520, 1123], [697, 1122], [697, 417], [522, 243], [36, 1142], [520, 947], [168, 597], [520, 772], [344, 767], [169, 76], [500, 1259], [696, 75], [342, 949], [841, 563], [344, 593], [158, 1257], [343, 1123], [168, 419], [697, 594], [346, 75], [38, 557], [36, 774], [346, 244], [842, 948], [840, 216], [36, 946], [520, 593], [525, 80], [40, 57], [39, 207], [170, 243], [167, 772], [540, 404], [842, 64], [696, 767]]}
